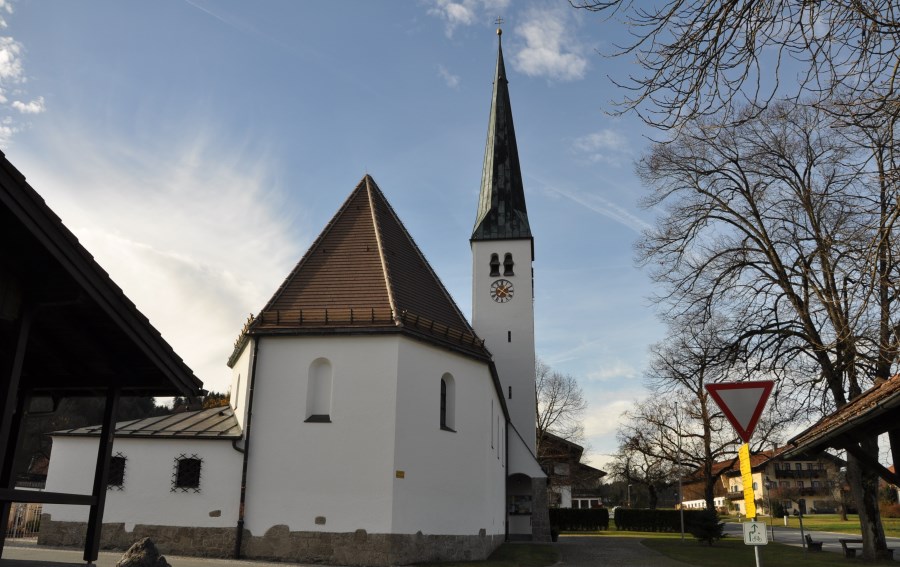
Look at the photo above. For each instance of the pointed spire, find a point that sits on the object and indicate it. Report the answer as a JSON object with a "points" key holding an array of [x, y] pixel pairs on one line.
{"points": [[501, 205]]}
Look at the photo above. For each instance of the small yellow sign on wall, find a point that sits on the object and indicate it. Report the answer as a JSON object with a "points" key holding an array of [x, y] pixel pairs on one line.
{"points": [[400, 474]]}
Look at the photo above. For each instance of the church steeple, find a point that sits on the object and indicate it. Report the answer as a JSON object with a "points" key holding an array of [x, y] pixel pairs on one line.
{"points": [[501, 205]]}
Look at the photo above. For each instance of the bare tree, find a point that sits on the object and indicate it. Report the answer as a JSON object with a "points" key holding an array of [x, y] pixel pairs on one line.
{"points": [[773, 221], [560, 405], [679, 427], [699, 56]]}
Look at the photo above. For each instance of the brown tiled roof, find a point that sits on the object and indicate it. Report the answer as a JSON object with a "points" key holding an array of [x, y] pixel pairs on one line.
{"points": [[365, 273], [212, 423], [872, 412]]}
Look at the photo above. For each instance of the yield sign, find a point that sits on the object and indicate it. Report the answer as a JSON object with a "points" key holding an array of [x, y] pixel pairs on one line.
{"points": [[742, 403]]}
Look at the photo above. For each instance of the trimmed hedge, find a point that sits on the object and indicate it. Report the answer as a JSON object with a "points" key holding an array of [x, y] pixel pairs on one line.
{"points": [[579, 519], [657, 520]]}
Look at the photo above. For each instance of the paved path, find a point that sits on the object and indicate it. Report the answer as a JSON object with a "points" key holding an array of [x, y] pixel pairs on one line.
{"points": [[24, 555], [587, 551], [791, 536]]}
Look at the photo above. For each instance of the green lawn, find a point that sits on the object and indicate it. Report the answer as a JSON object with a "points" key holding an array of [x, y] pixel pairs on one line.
{"points": [[730, 552], [833, 523]]}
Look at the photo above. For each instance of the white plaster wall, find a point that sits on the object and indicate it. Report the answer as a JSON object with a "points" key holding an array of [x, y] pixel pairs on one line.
{"points": [[240, 383], [342, 471], [492, 322], [521, 459], [147, 497], [454, 482]]}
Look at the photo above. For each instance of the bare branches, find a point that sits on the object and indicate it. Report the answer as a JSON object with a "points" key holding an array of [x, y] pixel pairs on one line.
{"points": [[701, 56], [560, 405]]}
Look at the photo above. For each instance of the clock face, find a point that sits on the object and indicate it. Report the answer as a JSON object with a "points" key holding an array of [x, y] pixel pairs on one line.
{"points": [[502, 291]]}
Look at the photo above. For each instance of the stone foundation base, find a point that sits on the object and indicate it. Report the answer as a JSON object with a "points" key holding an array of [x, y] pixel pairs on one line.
{"points": [[357, 548], [540, 511]]}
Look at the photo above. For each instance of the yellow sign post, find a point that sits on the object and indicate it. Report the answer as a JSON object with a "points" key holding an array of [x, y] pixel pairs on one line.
{"points": [[747, 478]]}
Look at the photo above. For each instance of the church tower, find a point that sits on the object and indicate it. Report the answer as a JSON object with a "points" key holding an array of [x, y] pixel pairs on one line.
{"points": [[502, 254]]}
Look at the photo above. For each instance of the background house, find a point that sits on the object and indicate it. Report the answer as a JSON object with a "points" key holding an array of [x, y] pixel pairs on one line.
{"points": [[571, 483], [807, 485]]}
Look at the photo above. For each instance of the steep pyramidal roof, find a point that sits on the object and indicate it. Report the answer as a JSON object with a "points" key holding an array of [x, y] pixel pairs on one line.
{"points": [[501, 205], [364, 273]]}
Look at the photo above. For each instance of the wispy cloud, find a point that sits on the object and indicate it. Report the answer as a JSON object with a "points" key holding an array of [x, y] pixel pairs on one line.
{"points": [[550, 48], [196, 234], [457, 13], [605, 146], [604, 207], [449, 78]]}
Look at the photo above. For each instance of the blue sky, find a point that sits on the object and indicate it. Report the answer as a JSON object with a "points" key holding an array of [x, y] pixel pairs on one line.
{"points": [[196, 148]]}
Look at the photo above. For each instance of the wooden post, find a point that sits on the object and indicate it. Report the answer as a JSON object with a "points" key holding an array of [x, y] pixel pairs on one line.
{"points": [[9, 429], [101, 477]]}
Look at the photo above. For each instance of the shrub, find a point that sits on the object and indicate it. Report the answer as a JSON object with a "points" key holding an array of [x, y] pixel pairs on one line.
{"points": [[890, 510], [579, 519], [706, 527], [655, 520]]}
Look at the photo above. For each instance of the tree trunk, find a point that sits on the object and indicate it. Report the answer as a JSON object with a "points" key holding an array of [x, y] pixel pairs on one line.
{"points": [[864, 487]]}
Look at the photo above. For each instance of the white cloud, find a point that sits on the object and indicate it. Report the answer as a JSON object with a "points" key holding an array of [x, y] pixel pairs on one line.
{"points": [[550, 50], [10, 60], [449, 78], [34, 107], [5, 6], [465, 12], [606, 146], [195, 235]]}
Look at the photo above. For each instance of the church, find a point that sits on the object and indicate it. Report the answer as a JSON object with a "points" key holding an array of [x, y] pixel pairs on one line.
{"points": [[369, 423]]}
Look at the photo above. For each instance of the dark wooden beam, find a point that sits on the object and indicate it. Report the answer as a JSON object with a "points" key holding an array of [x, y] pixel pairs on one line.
{"points": [[42, 497], [872, 464], [11, 419], [101, 477]]}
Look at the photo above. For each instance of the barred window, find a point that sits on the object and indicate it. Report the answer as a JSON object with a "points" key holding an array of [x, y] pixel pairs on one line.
{"points": [[116, 472], [186, 475]]}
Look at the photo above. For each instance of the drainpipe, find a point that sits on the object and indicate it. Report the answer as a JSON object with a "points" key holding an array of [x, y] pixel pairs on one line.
{"points": [[251, 383]]}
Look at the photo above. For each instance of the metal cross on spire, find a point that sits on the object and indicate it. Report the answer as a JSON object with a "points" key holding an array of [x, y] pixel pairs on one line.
{"points": [[499, 22]]}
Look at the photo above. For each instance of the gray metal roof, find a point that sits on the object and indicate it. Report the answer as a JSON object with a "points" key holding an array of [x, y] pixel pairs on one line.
{"points": [[213, 423], [501, 204]]}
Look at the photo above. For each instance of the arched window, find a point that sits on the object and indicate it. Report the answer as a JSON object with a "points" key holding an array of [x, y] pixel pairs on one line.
{"points": [[495, 265], [508, 265], [318, 392], [448, 403]]}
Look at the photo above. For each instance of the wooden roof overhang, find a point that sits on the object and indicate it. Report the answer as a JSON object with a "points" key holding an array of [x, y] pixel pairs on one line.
{"points": [[66, 329], [875, 411]]}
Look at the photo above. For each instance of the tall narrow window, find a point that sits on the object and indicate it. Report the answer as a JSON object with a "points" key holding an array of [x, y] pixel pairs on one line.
{"points": [[237, 392], [495, 265], [448, 403], [508, 265], [318, 391]]}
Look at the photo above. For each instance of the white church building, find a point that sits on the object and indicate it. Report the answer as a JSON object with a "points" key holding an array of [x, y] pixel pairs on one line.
{"points": [[369, 422]]}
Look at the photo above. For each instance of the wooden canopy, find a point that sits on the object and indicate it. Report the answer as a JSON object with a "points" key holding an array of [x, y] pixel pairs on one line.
{"points": [[67, 330]]}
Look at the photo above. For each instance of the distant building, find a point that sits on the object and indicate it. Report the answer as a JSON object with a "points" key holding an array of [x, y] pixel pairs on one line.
{"points": [[572, 484], [807, 485]]}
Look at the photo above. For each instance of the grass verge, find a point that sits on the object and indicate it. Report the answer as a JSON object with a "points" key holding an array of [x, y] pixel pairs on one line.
{"points": [[512, 555], [731, 552], [832, 523]]}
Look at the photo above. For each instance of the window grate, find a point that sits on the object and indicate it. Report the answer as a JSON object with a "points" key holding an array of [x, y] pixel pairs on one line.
{"points": [[186, 473], [116, 472]]}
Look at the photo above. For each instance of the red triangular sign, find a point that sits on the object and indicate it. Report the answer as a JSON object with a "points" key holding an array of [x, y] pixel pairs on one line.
{"points": [[742, 403]]}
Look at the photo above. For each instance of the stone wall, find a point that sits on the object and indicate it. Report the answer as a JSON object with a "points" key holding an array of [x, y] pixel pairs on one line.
{"points": [[281, 544], [540, 510]]}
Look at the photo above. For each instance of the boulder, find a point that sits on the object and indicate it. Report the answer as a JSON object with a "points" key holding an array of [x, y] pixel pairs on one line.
{"points": [[143, 554]]}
